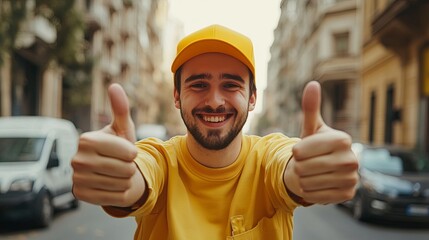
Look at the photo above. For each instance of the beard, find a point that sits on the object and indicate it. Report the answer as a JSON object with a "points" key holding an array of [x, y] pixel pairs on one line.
{"points": [[213, 140]]}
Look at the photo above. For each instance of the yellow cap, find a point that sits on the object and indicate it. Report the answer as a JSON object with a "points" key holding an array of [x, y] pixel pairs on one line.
{"points": [[215, 39]]}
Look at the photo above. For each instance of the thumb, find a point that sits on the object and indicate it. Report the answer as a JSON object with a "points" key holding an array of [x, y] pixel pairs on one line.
{"points": [[122, 124], [311, 101]]}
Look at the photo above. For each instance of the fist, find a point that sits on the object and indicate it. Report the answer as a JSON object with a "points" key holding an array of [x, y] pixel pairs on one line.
{"points": [[323, 164], [104, 170]]}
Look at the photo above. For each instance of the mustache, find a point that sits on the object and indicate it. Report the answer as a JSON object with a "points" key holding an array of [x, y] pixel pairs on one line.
{"points": [[208, 109]]}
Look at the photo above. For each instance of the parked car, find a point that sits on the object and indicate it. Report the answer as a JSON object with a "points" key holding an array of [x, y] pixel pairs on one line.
{"points": [[394, 184], [35, 170]]}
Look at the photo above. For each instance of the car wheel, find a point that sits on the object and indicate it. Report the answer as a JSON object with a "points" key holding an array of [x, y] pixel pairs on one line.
{"points": [[360, 209], [44, 210]]}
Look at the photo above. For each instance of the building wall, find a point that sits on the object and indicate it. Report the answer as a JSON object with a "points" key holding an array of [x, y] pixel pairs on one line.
{"points": [[124, 38], [304, 50], [5, 86], [394, 60], [382, 71]]}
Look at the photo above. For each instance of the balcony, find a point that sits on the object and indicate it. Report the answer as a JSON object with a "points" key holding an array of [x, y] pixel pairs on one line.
{"points": [[400, 22], [336, 68], [35, 40], [97, 17]]}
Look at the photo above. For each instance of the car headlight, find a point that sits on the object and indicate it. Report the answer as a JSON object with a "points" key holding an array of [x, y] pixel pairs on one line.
{"points": [[21, 185], [382, 189]]}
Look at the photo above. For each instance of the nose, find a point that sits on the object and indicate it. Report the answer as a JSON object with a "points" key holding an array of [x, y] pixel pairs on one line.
{"points": [[214, 99]]}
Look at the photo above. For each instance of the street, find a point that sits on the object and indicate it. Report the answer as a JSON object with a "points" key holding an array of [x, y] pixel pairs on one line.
{"points": [[336, 223], [317, 222], [88, 222]]}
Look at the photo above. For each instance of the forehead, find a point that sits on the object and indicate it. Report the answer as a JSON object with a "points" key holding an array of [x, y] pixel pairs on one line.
{"points": [[215, 63]]}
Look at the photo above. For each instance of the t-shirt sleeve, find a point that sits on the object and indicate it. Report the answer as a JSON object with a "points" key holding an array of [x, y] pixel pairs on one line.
{"points": [[279, 152], [151, 164], [150, 161]]}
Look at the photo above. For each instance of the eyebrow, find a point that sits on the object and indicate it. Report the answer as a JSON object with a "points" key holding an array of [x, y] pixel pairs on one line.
{"points": [[198, 76], [232, 76], [209, 76]]}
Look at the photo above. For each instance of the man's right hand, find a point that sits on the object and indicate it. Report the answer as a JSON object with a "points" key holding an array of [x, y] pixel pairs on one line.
{"points": [[104, 170]]}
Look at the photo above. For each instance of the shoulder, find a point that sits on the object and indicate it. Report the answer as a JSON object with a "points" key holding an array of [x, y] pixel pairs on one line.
{"points": [[269, 139], [158, 146]]}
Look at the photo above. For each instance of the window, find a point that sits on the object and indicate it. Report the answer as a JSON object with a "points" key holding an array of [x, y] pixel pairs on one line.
{"points": [[339, 96], [372, 117], [388, 127], [20, 149], [341, 44]]}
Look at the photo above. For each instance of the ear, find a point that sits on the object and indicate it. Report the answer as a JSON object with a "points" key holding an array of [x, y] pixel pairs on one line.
{"points": [[176, 98], [252, 101]]}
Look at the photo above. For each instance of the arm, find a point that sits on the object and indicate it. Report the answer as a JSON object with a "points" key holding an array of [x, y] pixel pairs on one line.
{"points": [[323, 168], [104, 169]]}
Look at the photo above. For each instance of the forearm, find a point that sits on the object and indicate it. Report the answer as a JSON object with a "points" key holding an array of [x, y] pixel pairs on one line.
{"points": [[136, 197], [137, 192], [290, 180]]}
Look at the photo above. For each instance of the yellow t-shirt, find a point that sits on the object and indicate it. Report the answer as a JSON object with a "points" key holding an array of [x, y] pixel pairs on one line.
{"points": [[246, 200]]}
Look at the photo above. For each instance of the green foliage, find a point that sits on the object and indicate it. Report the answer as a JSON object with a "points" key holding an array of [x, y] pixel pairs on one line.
{"points": [[12, 13], [68, 49], [70, 27], [77, 84], [68, 22]]}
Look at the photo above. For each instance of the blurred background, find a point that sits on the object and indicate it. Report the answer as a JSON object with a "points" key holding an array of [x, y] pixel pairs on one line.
{"points": [[57, 59]]}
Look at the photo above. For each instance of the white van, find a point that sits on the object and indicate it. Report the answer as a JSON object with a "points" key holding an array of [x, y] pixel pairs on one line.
{"points": [[35, 169]]}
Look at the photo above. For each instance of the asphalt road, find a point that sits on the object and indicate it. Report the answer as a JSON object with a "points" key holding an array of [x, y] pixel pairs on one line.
{"points": [[89, 222], [336, 223]]}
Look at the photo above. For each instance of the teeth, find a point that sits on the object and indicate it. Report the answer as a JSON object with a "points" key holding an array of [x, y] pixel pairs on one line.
{"points": [[214, 118]]}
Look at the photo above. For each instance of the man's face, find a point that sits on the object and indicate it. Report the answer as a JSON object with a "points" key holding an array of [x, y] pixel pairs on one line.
{"points": [[215, 99]]}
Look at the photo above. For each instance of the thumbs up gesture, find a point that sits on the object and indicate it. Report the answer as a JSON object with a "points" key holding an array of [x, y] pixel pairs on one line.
{"points": [[323, 168], [104, 171]]}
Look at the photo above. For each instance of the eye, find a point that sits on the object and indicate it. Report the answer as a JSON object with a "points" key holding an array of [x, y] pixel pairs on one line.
{"points": [[199, 85], [232, 86]]}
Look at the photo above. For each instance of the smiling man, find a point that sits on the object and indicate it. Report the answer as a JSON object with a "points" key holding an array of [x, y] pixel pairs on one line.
{"points": [[214, 182]]}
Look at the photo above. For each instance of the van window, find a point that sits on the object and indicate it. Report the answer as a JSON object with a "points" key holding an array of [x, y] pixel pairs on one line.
{"points": [[20, 149]]}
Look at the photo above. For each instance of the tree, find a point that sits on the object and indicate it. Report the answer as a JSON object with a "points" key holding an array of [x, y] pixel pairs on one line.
{"points": [[68, 22]]}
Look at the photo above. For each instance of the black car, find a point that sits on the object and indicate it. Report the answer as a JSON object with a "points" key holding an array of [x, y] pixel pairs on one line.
{"points": [[394, 184]]}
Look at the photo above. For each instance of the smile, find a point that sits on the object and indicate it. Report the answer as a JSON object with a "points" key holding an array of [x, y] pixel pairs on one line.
{"points": [[214, 118]]}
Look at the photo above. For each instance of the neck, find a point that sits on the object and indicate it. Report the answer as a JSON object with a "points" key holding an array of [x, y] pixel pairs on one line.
{"points": [[214, 158]]}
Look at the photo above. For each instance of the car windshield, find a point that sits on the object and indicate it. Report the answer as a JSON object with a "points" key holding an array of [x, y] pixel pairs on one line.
{"points": [[20, 149], [394, 162]]}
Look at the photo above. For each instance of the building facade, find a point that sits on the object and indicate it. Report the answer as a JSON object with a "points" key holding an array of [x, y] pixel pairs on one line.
{"points": [[125, 43], [122, 42], [395, 80], [314, 40], [30, 85]]}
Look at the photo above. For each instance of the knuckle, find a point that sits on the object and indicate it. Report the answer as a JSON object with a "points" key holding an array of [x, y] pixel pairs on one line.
{"points": [[296, 151], [349, 194], [132, 153], [350, 182], [76, 179], [304, 186], [79, 163], [122, 199], [344, 141], [76, 163], [127, 184], [298, 169], [86, 139], [130, 169], [78, 193]]}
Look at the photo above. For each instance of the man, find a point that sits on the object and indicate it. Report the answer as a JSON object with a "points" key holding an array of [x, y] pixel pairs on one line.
{"points": [[214, 182]]}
